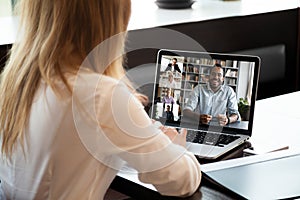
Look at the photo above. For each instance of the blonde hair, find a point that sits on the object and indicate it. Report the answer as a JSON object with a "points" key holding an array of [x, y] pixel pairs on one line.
{"points": [[53, 33]]}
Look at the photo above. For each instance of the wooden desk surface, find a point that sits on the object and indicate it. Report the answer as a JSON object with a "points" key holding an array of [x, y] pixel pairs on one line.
{"points": [[277, 121]]}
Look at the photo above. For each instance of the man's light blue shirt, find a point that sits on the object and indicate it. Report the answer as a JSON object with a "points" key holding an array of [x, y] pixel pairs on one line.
{"points": [[204, 101]]}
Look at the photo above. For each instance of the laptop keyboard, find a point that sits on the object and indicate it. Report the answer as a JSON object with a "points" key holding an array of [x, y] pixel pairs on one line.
{"points": [[210, 138]]}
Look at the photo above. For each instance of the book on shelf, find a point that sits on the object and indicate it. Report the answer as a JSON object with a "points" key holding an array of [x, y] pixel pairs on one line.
{"points": [[206, 61], [197, 61], [231, 82], [228, 72], [229, 63], [221, 62], [235, 64], [231, 73], [191, 59]]}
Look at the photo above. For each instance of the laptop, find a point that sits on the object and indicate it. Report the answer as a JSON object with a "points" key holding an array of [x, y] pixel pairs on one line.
{"points": [[182, 82]]}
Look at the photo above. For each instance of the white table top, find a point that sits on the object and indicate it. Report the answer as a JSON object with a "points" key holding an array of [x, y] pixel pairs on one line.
{"points": [[8, 31], [146, 14], [277, 122]]}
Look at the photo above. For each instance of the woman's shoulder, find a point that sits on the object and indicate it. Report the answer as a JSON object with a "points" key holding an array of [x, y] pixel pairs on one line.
{"points": [[89, 78], [88, 82]]}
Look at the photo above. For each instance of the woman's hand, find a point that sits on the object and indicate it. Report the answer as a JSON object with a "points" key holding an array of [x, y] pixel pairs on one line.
{"points": [[175, 137], [172, 133]]}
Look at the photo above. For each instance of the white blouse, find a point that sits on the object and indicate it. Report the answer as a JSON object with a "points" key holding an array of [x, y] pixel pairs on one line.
{"points": [[74, 147]]}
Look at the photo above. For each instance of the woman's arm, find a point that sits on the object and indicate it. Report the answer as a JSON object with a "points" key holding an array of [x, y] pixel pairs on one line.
{"points": [[134, 138]]}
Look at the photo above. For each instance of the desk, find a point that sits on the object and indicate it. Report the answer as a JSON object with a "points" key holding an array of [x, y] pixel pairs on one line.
{"points": [[266, 131], [201, 10], [277, 121]]}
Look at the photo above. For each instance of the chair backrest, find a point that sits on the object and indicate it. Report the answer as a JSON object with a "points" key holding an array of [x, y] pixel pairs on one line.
{"points": [[272, 79], [272, 62]]}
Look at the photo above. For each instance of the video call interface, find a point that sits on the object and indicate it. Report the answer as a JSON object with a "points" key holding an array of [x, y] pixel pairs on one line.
{"points": [[188, 84]]}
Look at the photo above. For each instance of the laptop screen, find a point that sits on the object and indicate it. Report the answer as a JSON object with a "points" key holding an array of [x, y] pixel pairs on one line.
{"points": [[200, 90]]}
